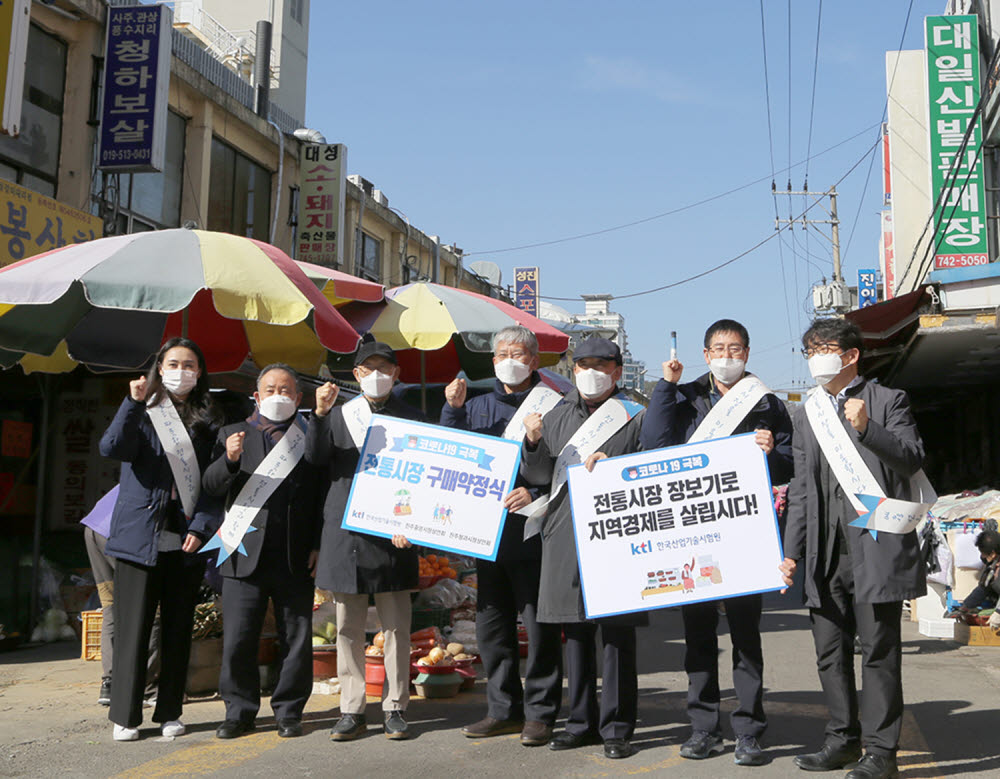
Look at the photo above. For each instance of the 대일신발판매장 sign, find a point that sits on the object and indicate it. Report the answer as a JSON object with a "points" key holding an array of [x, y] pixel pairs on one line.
{"points": [[437, 486], [679, 525]]}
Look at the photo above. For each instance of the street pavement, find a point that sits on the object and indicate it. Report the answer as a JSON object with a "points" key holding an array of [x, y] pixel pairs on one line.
{"points": [[50, 724]]}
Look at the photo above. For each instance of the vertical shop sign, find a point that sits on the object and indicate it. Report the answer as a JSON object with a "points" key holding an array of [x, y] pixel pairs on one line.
{"points": [[888, 257], [526, 290], [136, 77], [322, 196], [957, 181], [867, 287]]}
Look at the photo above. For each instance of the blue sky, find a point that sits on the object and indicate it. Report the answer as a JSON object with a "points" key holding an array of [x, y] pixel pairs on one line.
{"points": [[496, 125]]}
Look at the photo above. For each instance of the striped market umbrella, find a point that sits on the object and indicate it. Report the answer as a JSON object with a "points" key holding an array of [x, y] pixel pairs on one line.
{"points": [[339, 287], [111, 303], [438, 331]]}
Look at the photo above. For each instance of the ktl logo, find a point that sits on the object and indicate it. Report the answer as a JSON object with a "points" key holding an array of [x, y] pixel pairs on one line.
{"points": [[644, 548]]}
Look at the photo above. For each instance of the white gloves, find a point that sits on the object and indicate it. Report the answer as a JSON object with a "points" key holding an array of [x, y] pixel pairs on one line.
{"points": [[995, 620]]}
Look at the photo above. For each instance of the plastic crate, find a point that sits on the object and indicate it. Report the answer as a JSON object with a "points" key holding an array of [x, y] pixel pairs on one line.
{"points": [[90, 639]]}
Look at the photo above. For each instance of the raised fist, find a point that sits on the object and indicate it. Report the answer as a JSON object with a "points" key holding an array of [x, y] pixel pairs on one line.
{"points": [[137, 389], [234, 447], [326, 396], [672, 370], [455, 393], [533, 428]]}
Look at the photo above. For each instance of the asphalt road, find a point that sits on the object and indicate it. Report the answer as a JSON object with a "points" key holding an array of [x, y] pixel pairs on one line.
{"points": [[50, 724]]}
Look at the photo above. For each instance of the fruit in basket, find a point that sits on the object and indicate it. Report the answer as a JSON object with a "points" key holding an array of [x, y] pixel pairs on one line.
{"points": [[374, 651], [436, 565], [462, 656], [379, 640], [326, 632], [454, 649]]}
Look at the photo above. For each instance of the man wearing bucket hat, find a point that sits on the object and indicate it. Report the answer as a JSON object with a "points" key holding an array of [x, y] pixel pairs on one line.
{"points": [[354, 566], [550, 444]]}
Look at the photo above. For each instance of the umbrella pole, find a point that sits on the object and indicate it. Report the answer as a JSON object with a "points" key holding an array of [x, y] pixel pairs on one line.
{"points": [[423, 383], [184, 322], [40, 491]]}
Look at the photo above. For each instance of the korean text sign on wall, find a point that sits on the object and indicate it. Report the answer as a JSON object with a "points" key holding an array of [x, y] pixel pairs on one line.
{"points": [[679, 525], [136, 78], [526, 290], [439, 487], [957, 181], [322, 198], [31, 224]]}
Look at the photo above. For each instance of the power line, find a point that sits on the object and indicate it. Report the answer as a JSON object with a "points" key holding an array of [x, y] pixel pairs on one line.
{"points": [[731, 260], [671, 212], [812, 102]]}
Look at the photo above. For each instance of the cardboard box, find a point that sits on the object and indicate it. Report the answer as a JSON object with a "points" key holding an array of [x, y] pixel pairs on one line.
{"points": [[976, 635]]}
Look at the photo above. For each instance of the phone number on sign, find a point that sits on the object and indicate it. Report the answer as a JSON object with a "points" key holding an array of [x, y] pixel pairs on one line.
{"points": [[960, 260]]}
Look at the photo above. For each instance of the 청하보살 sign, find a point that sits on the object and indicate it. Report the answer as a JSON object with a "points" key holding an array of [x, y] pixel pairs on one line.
{"points": [[439, 487], [685, 524]]}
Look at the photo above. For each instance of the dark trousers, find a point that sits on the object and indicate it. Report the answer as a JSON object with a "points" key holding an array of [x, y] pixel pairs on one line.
{"points": [[701, 661], [244, 603], [104, 576], [620, 682], [506, 589], [173, 586], [877, 625]]}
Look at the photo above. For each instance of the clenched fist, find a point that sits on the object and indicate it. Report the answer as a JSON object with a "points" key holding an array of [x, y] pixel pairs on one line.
{"points": [[764, 439], [672, 370], [137, 389], [455, 393], [856, 413], [234, 447], [326, 396], [533, 428]]}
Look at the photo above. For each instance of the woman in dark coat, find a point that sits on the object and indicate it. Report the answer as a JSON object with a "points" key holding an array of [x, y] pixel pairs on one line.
{"points": [[159, 522]]}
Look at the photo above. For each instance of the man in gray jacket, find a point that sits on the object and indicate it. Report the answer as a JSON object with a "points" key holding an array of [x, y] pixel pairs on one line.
{"points": [[597, 370], [854, 583]]}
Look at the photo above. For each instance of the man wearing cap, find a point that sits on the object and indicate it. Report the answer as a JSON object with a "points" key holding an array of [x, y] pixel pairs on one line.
{"points": [[354, 566], [677, 414], [276, 561], [509, 585], [590, 423]]}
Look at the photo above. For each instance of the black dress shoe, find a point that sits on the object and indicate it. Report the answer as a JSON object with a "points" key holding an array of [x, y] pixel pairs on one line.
{"points": [[567, 740], [829, 758], [349, 727], [233, 728], [289, 728], [396, 728], [874, 767], [618, 748]]}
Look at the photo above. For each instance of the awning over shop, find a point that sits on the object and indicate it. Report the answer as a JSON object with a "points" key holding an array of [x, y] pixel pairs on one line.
{"points": [[887, 327]]}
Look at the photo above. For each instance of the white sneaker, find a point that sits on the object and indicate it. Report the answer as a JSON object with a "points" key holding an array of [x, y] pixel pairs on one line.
{"points": [[173, 728], [122, 733]]}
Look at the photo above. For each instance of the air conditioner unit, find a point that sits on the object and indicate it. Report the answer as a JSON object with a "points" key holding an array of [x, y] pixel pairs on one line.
{"points": [[379, 197], [366, 186]]}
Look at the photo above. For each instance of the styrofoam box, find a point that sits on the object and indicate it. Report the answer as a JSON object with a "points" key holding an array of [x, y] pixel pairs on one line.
{"points": [[932, 605], [937, 628]]}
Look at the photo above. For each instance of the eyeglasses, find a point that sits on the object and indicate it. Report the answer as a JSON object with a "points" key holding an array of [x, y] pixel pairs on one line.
{"points": [[721, 350], [822, 348]]}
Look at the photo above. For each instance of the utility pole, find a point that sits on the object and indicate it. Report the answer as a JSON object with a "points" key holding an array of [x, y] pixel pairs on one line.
{"points": [[834, 296]]}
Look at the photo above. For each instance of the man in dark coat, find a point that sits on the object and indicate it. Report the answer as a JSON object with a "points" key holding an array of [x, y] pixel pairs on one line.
{"points": [[509, 585], [853, 582], [355, 565], [597, 369], [278, 564], [674, 414]]}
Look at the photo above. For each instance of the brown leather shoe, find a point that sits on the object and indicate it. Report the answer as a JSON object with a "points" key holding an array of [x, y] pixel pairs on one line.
{"points": [[490, 726], [535, 734]]}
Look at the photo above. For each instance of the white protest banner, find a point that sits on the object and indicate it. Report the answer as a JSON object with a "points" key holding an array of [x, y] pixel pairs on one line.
{"points": [[678, 525], [440, 487]]}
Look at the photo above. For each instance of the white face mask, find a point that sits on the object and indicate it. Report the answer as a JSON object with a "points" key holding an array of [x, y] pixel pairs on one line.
{"points": [[824, 368], [277, 408], [512, 372], [375, 384], [727, 370], [178, 381], [593, 383]]}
